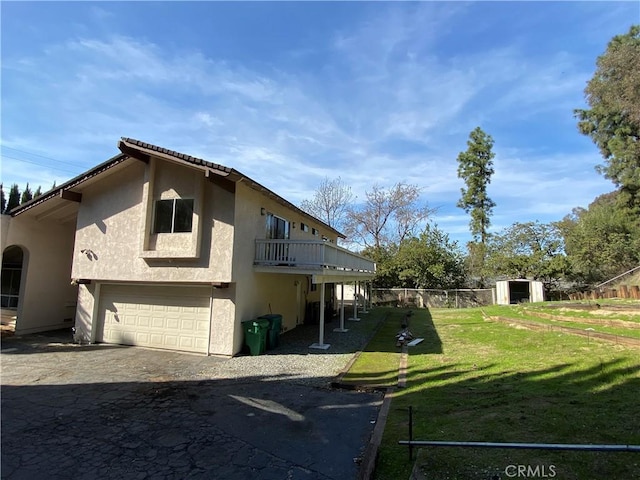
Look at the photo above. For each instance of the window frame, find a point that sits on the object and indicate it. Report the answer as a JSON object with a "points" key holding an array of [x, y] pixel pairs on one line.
{"points": [[176, 205], [272, 230]]}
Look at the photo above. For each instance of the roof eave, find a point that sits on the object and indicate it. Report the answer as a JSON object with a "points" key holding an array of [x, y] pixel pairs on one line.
{"points": [[74, 182], [142, 151]]}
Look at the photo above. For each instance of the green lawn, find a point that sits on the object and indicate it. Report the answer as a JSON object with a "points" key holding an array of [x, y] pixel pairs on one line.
{"points": [[523, 312], [606, 311], [474, 380]]}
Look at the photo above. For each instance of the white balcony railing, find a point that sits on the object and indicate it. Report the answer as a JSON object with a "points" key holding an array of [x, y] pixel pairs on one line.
{"points": [[310, 254]]}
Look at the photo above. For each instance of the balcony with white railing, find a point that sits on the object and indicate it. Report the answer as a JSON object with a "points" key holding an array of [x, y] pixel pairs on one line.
{"points": [[313, 256]]}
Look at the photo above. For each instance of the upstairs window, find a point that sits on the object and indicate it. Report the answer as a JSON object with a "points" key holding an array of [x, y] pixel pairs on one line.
{"points": [[277, 228], [174, 216]]}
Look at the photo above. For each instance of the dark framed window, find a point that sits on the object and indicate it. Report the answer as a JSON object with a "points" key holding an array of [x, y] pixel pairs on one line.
{"points": [[173, 216], [12, 258], [277, 228]]}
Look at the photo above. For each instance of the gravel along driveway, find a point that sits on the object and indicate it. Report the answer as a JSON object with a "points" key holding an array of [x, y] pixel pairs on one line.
{"points": [[103, 411]]}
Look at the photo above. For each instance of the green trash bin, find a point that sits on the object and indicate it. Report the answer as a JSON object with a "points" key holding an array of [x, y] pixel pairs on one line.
{"points": [[255, 335], [275, 327]]}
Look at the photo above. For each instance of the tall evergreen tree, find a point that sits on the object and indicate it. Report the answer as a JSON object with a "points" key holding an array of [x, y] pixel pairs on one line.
{"points": [[27, 194], [14, 197], [475, 167], [3, 200], [38, 192], [613, 119]]}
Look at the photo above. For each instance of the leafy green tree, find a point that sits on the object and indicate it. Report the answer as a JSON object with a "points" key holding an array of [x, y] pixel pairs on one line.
{"points": [[475, 263], [38, 192], [613, 119], [531, 250], [14, 197], [431, 260], [27, 194], [386, 266], [601, 241], [3, 200], [475, 167]]}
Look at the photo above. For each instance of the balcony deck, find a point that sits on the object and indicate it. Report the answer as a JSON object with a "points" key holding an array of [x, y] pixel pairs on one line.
{"points": [[315, 257]]}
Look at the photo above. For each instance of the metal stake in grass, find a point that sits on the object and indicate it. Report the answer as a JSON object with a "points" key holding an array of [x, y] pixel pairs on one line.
{"points": [[410, 432]]}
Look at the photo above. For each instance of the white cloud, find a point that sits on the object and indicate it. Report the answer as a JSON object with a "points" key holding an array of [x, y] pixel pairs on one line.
{"points": [[387, 105]]}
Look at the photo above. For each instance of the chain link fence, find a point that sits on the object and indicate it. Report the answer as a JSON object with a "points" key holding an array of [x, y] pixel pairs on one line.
{"points": [[432, 298]]}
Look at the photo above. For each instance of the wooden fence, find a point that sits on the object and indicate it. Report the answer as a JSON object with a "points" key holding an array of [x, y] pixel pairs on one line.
{"points": [[623, 291]]}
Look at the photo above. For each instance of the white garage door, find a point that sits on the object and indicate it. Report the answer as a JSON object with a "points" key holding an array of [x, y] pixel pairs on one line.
{"points": [[169, 317]]}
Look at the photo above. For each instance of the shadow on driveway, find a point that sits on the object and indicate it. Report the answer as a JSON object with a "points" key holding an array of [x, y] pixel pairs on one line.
{"points": [[121, 412]]}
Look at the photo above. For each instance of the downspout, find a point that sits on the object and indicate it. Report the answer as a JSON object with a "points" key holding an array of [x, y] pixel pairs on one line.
{"points": [[211, 321]]}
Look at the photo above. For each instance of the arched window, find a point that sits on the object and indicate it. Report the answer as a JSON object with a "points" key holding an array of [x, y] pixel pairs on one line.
{"points": [[12, 259]]}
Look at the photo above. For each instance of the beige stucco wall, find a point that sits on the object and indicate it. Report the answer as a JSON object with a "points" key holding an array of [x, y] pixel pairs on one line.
{"points": [[261, 293], [223, 320], [113, 217], [47, 298], [114, 230], [85, 311]]}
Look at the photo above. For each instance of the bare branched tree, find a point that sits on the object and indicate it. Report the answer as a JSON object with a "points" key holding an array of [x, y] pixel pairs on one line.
{"points": [[330, 203], [388, 216]]}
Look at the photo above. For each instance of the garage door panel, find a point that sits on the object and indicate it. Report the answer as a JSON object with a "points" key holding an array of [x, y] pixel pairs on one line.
{"points": [[173, 323], [142, 338], [187, 343], [144, 321], [188, 325], [162, 317]]}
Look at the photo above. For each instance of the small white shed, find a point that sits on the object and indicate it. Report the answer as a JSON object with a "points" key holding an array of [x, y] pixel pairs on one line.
{"points": [[518, 291]]}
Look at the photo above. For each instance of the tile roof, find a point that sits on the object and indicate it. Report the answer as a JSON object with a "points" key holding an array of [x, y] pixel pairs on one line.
{"points": [[70, 184], [128, 142], [125, 144], [173, 153]]}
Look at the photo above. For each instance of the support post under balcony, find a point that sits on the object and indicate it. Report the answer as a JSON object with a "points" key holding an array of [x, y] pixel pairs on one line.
{"points": [[321, 345], [356, 288], [341, 329], [364, 297]]}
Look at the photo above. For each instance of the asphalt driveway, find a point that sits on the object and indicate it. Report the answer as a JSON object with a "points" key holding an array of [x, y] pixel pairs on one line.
{"points": [[75, 412]]}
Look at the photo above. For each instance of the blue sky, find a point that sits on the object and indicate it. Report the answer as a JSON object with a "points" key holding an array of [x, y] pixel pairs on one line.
{"points": [[290, 93]]}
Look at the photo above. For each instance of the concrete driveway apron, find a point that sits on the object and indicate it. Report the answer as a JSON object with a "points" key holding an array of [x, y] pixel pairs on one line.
{"points": [[77, 412]]}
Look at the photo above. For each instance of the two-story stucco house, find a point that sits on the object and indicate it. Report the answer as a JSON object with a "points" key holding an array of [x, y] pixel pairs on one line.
{"points": [[161, 249]]}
